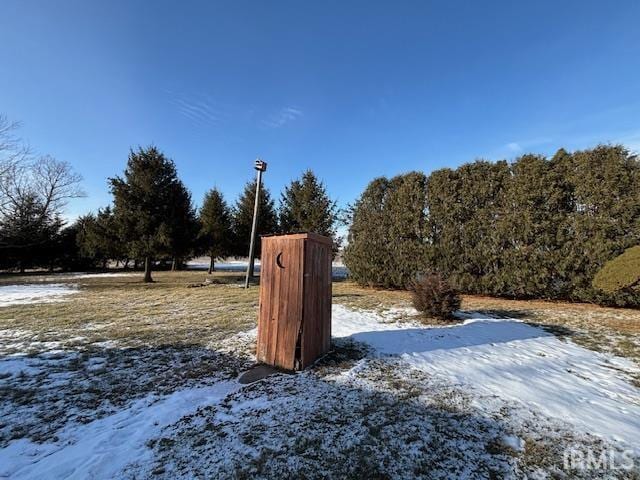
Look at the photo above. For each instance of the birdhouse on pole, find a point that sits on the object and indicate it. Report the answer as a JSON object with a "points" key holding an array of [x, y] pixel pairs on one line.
{"points": [[261, 167]]}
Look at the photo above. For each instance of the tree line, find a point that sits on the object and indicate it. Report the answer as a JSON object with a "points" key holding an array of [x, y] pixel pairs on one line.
{"points": [[151, 221], [153, 218], [535, 227]]}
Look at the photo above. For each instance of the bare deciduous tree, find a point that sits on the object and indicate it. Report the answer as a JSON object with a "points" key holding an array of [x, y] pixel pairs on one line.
{"points": [[23, 177], [10, 144], [13, 154], [55, 183]]}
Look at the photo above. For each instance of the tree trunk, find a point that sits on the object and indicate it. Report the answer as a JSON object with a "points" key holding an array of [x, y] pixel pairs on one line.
{"points": [[147, 270], [136, 264], [211, 265], [174, 264], [125, 265]]}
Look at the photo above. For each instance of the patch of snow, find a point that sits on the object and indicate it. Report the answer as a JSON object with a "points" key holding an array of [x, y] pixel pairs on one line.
{"points": [[11, 334], [513, 442], [347, 322], [105, 344], [18, 365], [339, 271], [71, 276], [96, 363], [102, 275], [514, 361], [483, 382], [27, 294], [104, 447]]}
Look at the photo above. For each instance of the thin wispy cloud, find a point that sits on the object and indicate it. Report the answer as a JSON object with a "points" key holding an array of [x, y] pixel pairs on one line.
{"points": [[514, 147], [282, 117], [520, 146], [585, 131], [200, 109]]}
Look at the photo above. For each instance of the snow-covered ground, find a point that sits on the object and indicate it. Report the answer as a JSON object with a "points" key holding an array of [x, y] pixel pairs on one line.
{"points": [[515, 361], [103, 448], [80, 275], [27, 293], [487, 398], [75, 276], [31, 293]]}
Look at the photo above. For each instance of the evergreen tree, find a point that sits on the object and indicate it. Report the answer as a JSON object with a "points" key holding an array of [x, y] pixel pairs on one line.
{"points": [[243, 218], [182, 226], [620, 274], [215, 226], [65, 253], [27, 233], [386, 243], [532, 209], [99, 237], [537, 228], [366, 254], [604, 188], [305, 206], [144, 204], [406, 206], [464, 209]]}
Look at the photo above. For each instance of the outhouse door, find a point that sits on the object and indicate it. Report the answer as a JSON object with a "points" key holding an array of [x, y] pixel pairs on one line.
{"points": [[281, 300]]}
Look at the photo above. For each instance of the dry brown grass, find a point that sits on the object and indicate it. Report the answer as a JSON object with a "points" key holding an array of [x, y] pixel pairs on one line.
{"points": [[133, 313], [352, 295]]}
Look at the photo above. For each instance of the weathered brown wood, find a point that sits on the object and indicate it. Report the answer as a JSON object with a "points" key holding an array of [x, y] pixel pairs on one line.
{"points": [[317, 301], [294, 327], [298, 236], [263, 351]]}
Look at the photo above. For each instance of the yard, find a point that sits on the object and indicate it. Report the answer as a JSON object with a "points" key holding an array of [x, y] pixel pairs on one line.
{"points": [[103, 376]]}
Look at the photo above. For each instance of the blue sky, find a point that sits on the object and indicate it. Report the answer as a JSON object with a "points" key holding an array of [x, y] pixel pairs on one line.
{"points": [[351, 89]]}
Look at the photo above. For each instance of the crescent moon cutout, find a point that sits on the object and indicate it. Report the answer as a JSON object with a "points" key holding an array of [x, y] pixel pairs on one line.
{"points": [[279, 260]]}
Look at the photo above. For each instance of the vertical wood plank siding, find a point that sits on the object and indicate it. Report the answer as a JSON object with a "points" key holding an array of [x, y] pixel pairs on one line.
{"points": [[316, 326], [294, 326]]}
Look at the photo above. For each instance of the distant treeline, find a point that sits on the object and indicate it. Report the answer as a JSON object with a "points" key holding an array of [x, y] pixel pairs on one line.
{"points": [[531, 228], [152, 220]]}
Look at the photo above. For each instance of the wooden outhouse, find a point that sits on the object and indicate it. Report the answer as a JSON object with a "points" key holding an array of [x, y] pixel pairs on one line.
{"points": [[294, 327]]}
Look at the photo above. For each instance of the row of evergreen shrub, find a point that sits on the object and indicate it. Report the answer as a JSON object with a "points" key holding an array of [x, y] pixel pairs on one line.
{"points": [[535, 227]]}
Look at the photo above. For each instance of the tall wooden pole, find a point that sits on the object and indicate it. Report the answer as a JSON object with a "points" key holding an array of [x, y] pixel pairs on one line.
{"points": [[260, 167]]}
